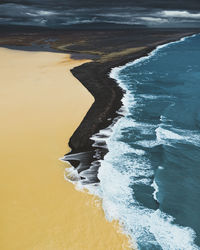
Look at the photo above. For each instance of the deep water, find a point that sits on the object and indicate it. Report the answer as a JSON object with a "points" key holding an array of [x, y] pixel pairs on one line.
{"points": [[150, 179]]}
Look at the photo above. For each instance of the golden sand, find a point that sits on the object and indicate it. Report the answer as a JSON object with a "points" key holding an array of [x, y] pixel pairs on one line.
{"points": [[41, 104]]}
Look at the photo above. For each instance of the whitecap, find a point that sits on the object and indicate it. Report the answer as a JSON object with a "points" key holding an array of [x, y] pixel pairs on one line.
{"points": [[156, 189], [150, 228]]}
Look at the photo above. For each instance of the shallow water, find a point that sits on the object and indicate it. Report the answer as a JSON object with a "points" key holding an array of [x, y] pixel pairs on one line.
{"points": [[154, 150]]}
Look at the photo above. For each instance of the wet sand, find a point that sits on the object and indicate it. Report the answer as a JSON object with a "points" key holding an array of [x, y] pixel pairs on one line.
{"points": [[41, 105]]}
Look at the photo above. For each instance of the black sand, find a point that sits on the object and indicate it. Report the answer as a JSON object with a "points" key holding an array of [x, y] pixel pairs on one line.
{"points": [[108, 49]]}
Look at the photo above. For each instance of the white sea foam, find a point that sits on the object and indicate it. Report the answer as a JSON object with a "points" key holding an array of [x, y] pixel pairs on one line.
{"points": [[156, 189], [153, 97], [163, 134], [71, 175], [115, 71], [173, 135], [151, 228], [189, 136], [148, 143], [119, 173]]}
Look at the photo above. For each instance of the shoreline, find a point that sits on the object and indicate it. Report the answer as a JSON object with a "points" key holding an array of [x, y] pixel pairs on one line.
{"points": [[106, 106], [100, 135], [118, 128], [107, 49], [94, 76]]}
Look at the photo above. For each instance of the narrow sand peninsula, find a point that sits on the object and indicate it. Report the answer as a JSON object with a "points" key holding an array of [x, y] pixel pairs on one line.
{"points": [[41, 104]]}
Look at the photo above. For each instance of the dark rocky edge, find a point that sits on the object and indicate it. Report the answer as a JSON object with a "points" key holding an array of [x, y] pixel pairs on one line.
{"points": [[108, 49]]}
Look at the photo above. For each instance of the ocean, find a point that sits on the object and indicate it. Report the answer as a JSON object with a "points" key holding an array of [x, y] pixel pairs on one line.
{"points": [[150, 178]]}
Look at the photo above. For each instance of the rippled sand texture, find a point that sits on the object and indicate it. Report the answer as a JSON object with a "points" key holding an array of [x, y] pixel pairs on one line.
{"points": [[41, 104]]}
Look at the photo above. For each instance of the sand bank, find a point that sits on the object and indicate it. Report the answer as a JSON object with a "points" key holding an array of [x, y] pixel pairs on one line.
{"points": [[41, 104]]}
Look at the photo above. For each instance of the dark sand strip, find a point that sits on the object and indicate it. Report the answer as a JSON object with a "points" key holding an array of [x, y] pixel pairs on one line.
{"points": [[108, 95], [108, 49]]}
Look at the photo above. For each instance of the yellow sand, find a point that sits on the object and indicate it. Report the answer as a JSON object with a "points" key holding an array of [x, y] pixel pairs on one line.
{"points": [[41, 104]]}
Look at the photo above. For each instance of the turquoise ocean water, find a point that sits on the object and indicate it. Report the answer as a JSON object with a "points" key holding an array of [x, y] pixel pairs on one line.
{"points": [[150, 179]]}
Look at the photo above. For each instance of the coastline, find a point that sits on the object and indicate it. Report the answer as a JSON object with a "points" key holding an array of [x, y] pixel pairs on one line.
{"points": [[120, 131], [39, 208], [108, 101], [108, 95]]}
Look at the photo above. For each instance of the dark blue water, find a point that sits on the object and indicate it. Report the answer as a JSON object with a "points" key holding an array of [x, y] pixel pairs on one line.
{"points": [[150, 178]]}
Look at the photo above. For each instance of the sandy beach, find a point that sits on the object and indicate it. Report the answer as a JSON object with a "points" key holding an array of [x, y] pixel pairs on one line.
{"points": [[99, 125], [41, 105]]}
